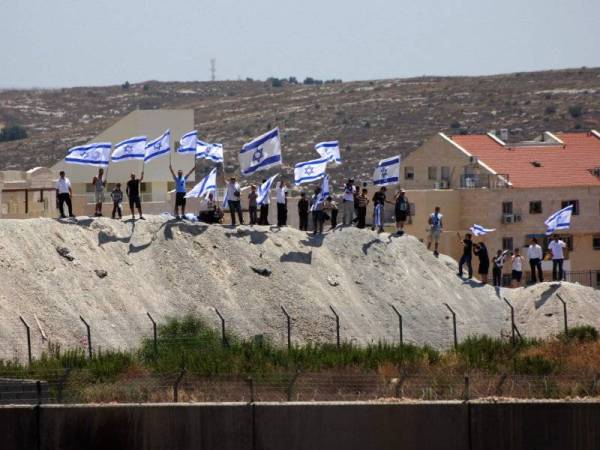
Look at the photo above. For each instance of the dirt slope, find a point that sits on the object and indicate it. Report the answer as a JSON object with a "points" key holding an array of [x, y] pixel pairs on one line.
{"points": [[169, 268]]}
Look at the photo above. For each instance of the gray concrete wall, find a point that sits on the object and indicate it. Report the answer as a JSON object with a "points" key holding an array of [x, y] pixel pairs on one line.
{"points": [[296, 426]]}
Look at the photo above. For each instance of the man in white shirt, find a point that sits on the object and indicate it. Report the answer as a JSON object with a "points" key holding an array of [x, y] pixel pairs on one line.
{"points": [[264, 209], [64, 192], [534, 255], [435, 230], [281, 191], [556, 247], [233, 199], [348, 202]]}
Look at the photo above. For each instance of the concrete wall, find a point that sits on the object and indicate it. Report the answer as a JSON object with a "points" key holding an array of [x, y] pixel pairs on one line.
{"points": [[299, 426]]}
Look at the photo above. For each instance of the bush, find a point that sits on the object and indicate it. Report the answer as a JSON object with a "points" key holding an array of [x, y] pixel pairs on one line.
{"points": [[576, 111], [550, 109], [275, 82], [455, 125], [12, 133], [582, 333], [125, 85]]}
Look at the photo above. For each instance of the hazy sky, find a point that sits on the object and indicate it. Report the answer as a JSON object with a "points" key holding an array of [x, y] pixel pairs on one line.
{"points": [[52, 43]]}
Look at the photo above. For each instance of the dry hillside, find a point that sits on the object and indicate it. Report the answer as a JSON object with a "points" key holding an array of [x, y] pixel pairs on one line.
{"points": [[372, 119]]}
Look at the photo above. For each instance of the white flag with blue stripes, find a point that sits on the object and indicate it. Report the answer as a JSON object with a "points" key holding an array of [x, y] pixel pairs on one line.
{"points": [[308, 171], [329, 150], [560, 220], [159, 147], [387, 172], [212, 152], [133, 148], [206, 185], [261, 153], [97, 155], [324, 192], [187, 143], [264, 190], [478, 230]]}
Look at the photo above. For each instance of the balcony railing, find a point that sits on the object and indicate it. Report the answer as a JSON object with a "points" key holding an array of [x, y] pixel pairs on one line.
{"points": [[488, 181]]}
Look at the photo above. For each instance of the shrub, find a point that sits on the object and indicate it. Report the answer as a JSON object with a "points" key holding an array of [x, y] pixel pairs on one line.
{"points": [[455, 125], [125, 85], [550, 109], [576, 111], [12, 133], [582, 333]]}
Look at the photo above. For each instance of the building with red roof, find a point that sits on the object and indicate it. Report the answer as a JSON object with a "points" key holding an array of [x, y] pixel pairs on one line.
{"points": [[512, 187]]}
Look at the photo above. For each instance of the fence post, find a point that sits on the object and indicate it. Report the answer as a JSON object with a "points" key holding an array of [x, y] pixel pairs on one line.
{"points": [[565, 317], [512, 322], [89, 336], [223, 337], [250, 382], [400, 332], [337, 325], [467, 394], [28, 331], [155, 337], [289, 327], [453, 325], [176, 386]]}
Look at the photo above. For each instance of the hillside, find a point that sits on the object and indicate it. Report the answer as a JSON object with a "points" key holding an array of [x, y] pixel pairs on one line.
{"points": [[120, 271], [372, 119]]}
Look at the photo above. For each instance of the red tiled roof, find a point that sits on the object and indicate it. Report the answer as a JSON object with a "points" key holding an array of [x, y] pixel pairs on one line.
{"points": [[561, 165]]}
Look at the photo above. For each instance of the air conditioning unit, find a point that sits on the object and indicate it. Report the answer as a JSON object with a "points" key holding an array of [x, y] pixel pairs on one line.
{"points": [[437, 185], [444, 184], [517, 218], [508, 218]]}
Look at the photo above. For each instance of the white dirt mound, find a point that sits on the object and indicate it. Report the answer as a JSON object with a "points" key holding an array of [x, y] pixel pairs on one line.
{"points": [[121, 270]]}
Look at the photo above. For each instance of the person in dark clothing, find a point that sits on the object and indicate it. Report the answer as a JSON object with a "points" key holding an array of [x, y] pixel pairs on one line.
{"points": [[303, 212], [316, 206], [63, 195], [379, 201], [467, 255], [252, 196], [498, 266], [331, 206], [133, 194], [363, 201], [484, 261], [117, 198]]}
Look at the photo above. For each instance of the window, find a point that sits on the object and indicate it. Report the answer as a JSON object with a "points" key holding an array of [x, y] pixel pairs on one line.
{"points": [[596, 242], [432, 173], [507, 207], [535, 207], [575, 204], [507, 243], [170, 186], [409, 173], [446, 173]]}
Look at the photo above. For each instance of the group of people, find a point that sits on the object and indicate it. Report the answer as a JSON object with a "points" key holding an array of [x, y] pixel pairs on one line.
{"points": [[535, 255], [65, 193]]}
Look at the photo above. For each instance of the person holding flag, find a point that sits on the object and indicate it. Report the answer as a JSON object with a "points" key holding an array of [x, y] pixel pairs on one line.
{"points": [[263, 199], [281, 191], [99, 182], [556, 247], [316, 206], [133, 194], [232, 200], [467, 256], [180, 190]]}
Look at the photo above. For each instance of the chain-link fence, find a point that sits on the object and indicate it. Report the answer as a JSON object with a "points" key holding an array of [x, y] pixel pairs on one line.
{"points": [[83, 386]]}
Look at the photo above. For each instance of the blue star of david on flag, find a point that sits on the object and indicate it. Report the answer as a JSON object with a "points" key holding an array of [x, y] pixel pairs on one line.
{"points": [[258, 155], [309, 170]]}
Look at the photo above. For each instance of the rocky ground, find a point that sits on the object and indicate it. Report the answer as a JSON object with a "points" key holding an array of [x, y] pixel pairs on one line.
{"points": [[112, 273], [372, 119]]}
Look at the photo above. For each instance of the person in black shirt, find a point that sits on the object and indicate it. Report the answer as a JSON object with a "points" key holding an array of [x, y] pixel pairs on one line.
{"points": [[133, 193], [379, 202], [484, 261], [303, 212], [467, 255]]}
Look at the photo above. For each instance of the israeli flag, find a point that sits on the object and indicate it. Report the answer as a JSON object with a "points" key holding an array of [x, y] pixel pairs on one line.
{"points": [[560, 220], [134, 148], [187, 143], [158, 147], [213, 152], [330, 150], [308, 171], [205, 186], [97, 155], [478, 230], [264, 190], [323, 194], [262, 153], [387, 172], [225, 203]]}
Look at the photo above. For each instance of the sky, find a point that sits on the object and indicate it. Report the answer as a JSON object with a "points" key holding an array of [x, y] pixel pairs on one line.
{"points": [[63, 43]]}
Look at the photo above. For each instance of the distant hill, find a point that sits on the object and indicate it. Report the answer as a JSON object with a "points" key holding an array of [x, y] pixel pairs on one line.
{"points": [[372, 119]]}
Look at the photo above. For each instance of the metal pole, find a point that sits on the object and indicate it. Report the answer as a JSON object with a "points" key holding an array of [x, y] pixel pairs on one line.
{"points": [[453, 325], [28, 331], [337, 325], [89, 336], [155, 337], [514, 328], [399, 325], [565, 316], [223, 337], [289, 327]]}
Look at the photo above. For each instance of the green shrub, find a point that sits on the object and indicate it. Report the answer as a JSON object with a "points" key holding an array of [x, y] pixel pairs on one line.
{"points": [[582, 333]]}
